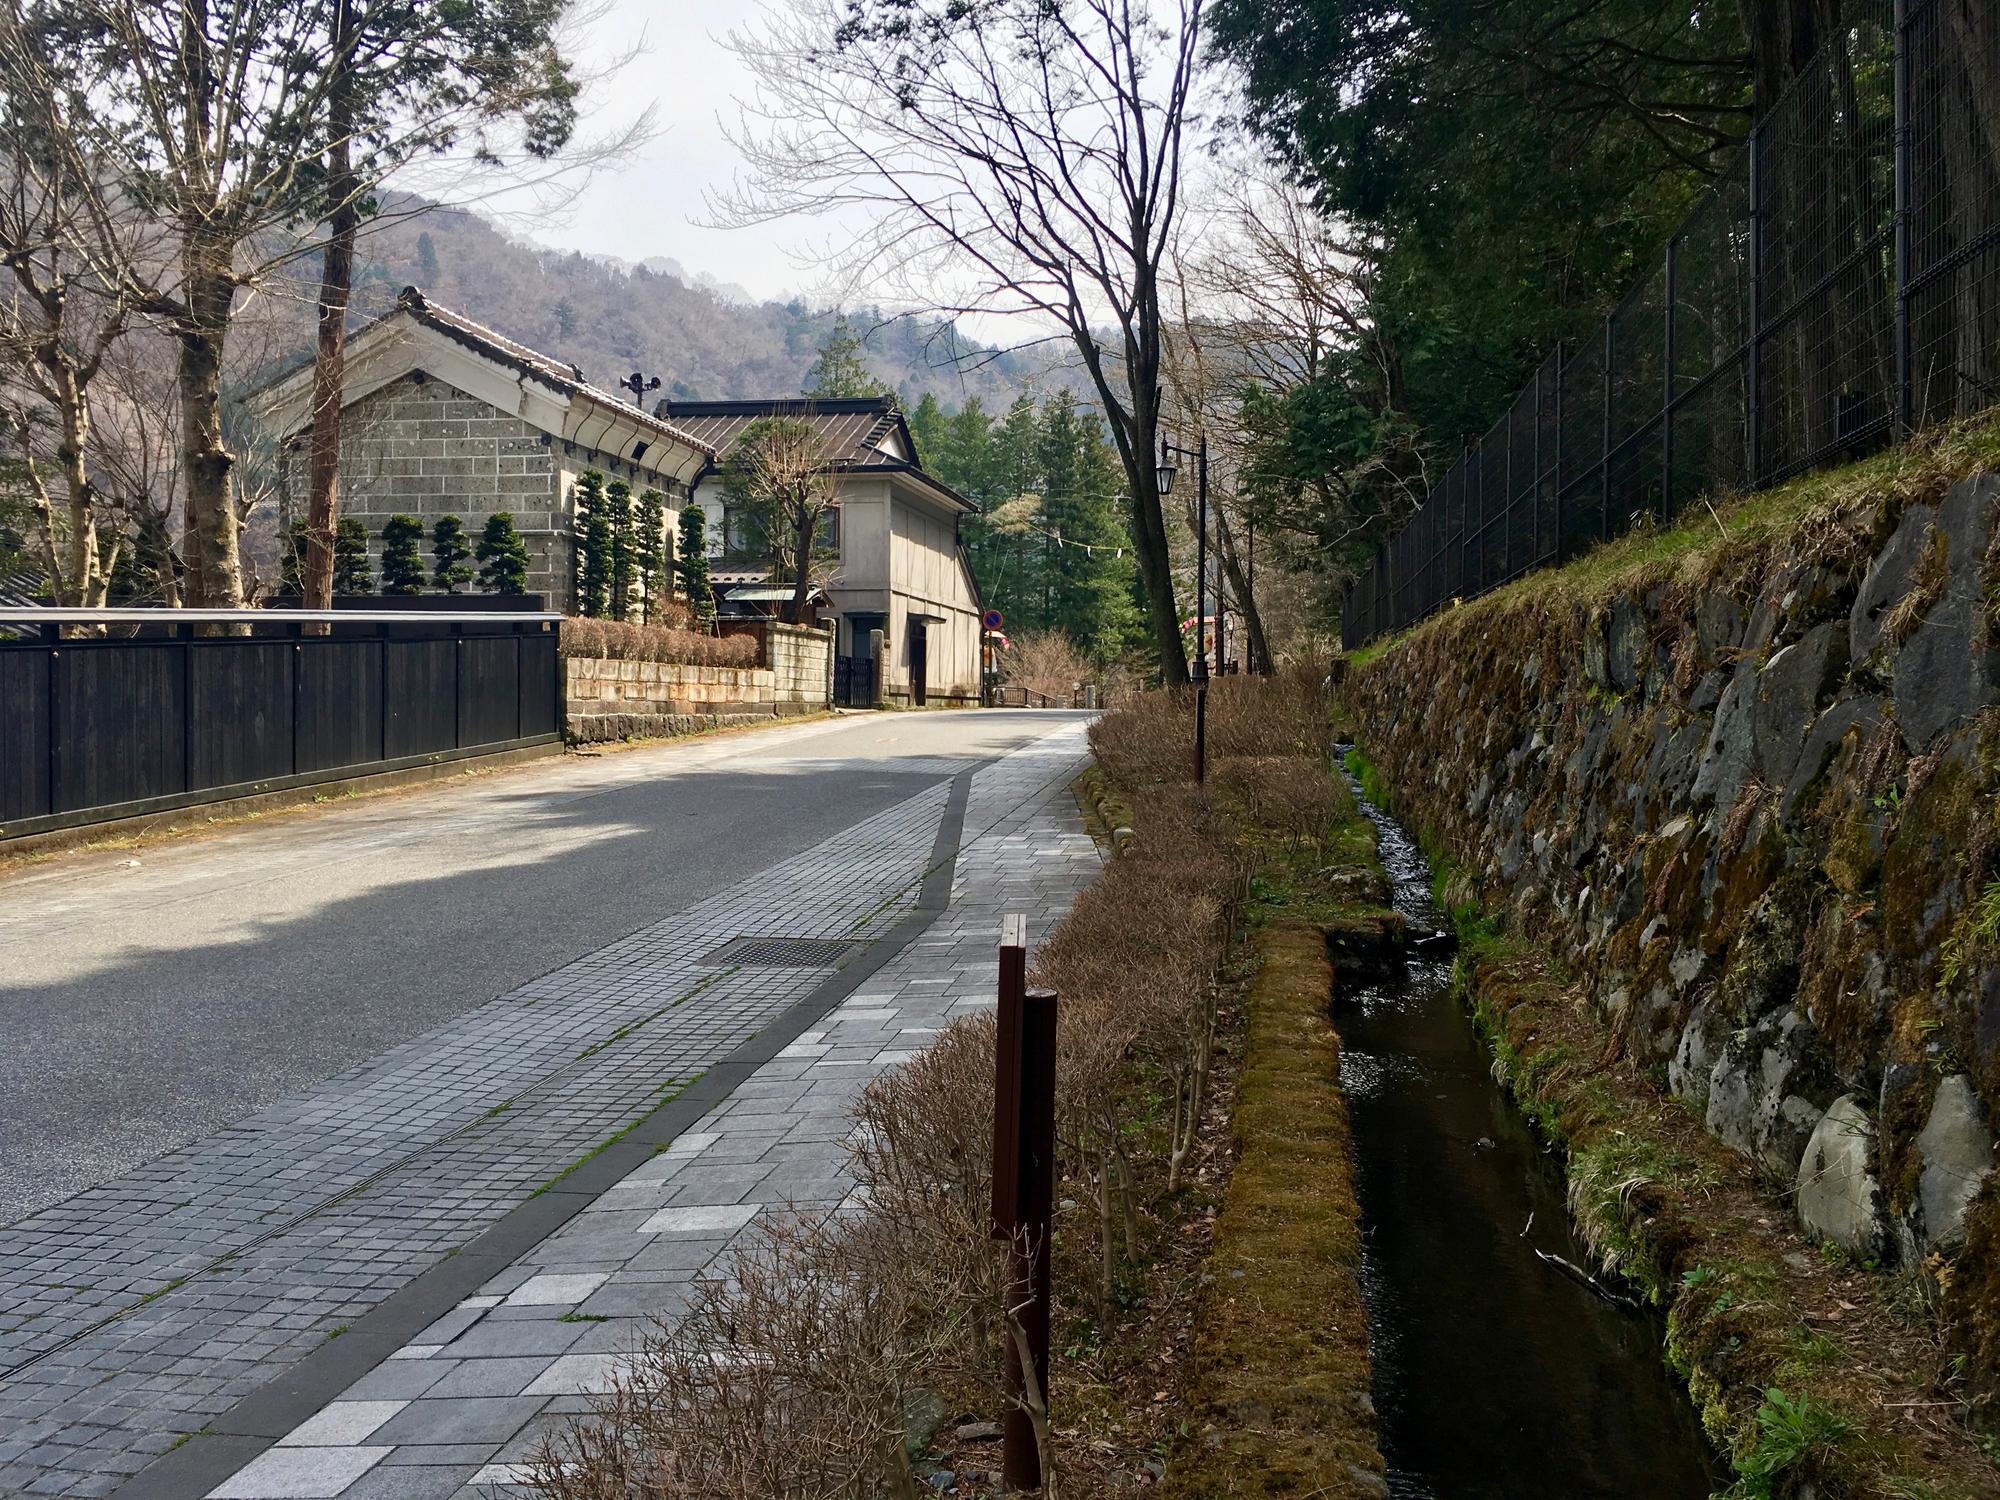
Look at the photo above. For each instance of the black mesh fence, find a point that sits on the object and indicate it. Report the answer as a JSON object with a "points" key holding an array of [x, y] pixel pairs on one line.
{"points": [[1838, 285]]}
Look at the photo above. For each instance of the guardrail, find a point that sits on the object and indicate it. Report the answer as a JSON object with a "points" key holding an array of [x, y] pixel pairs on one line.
{"points": [[115, 713]]}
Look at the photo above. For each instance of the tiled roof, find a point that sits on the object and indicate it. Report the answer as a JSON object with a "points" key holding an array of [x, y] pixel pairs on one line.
{"points": [[852, 429], [567, 378], [23, 588]]}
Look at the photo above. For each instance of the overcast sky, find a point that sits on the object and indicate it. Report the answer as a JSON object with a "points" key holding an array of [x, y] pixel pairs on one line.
{"points": [[646, 205]]}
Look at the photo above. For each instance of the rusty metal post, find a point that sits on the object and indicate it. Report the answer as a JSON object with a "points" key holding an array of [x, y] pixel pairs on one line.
{"points": [[1024, 1130]]}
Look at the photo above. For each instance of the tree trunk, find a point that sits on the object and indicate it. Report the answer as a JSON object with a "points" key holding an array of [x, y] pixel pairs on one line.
{"points": [[214, 563], [336, 284], [1135, 430], [802, 568], [1239, 588], [1149, 544], [1783, 35], [89, 578]]}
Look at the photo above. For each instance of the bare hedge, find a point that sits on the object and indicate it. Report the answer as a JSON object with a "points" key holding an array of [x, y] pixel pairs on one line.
{"points": [[663, 643]]}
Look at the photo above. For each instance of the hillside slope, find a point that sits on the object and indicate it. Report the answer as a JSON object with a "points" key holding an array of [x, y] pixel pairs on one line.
{"points": [[703, 341]]}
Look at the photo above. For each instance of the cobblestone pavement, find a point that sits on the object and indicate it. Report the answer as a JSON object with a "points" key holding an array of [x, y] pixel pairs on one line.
{"points": [[143, 1310], [456, 1410]]}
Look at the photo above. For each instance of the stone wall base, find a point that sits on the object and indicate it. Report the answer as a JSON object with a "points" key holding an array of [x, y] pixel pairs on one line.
{"points": [[593, 729]]}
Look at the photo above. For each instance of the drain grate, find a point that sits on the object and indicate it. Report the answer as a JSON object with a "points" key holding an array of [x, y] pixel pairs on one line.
{"points": [[782, 952]]}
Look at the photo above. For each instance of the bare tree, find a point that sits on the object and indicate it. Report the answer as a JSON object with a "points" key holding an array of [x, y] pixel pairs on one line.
{"points": [[1027, 150], [411, 79], [1276, 303], [59, 320], [203, 118], [777, 477]]}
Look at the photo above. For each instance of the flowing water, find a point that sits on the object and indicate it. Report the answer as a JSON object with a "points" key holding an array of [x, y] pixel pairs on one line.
{"points": [[1496, 1375]]}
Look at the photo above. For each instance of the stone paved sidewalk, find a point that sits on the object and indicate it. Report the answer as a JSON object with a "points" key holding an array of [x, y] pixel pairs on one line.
{"points": [[138, 1312], [456, 1410]]}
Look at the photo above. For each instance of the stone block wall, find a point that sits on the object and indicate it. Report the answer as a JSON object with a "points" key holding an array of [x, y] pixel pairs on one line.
{"points": [[600, 685], [426, 449], [615, 700], [800, 659], [1751, 798]]}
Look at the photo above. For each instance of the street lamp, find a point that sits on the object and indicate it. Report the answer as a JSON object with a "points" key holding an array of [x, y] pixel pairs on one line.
{"points": [[1165, 475]]}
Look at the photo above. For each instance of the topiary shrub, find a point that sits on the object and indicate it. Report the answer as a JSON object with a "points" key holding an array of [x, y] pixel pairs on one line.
{"points": [[693, 567], [350, 559], [593, 545], [624, 569], [503, 559], [650, 553], [450, 547], [402, 563]]}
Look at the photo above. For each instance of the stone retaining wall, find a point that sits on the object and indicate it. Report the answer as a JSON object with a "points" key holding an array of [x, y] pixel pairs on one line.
{"points": [[1748, 797], [800, 658], [598, 685]]}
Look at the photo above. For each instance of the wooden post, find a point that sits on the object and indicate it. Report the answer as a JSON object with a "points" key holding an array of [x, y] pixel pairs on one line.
{"points": [[1024, 1128]]}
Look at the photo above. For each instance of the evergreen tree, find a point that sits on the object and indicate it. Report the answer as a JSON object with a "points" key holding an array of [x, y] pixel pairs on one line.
{"points": [[593, 545], [427, 259], [1085, 584], [351, 573], [693, 565], [503, 559], [402, 561], [928, 427], [289, 558], [450, 547], [652, 550], [566, 319], [840, 369], [624, 571]]}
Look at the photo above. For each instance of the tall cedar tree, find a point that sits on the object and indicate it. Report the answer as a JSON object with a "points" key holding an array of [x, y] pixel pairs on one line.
{"points": [[693, 566], [624, 573], [350, 558], [502, 556], [406, 79], [450, 547], [840, 369], [402, 557], [651, 555], [593, 545]]}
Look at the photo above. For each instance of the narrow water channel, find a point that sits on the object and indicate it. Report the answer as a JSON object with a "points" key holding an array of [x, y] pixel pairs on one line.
{"points": [[1495, 1374]]}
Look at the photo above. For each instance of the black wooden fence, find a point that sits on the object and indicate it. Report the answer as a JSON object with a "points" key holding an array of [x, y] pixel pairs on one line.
{"points": [[1839, 285], [155, 717]]}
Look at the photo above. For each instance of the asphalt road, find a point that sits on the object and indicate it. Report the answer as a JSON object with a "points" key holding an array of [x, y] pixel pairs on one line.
{"points": [[151, 997]]}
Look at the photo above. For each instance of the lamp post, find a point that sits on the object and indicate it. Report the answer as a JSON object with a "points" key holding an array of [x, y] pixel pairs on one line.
{"points": [[1165, 476]]}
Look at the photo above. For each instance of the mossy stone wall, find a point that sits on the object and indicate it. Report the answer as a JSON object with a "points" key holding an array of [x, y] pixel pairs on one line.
{"points": [[1747, 794]]}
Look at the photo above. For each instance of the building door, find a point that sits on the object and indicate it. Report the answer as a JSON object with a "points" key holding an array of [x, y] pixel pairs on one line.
{"points": [[854, 684], [919, 660]]}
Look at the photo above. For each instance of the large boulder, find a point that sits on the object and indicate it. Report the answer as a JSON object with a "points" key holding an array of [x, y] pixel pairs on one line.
{"points": [[1888, 579], [1942, 675], [1790, 690], [1957, 1153], [1839, 1198]]}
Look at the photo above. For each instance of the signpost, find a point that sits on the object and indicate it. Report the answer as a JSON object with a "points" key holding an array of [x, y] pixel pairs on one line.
{"points": [[989, 624], [1024, 1152]]}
